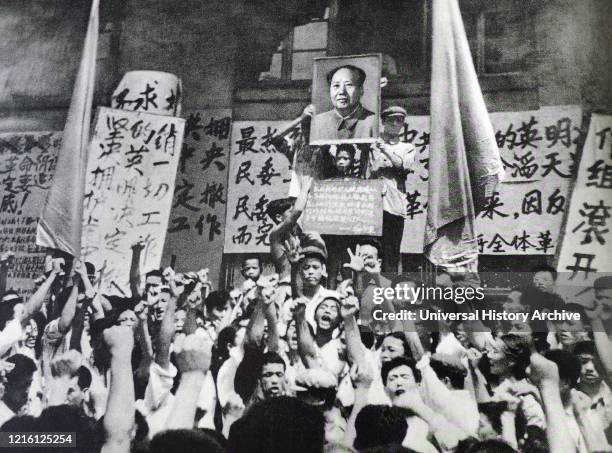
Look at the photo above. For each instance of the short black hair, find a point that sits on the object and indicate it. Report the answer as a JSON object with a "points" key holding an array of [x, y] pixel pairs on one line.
{"points": [[545, 268], [278, 425], [400, 336], [84, 377], [568, 364], [372, 242], [217, 299], [252, 257], [184, 440], [444, 370], [585, 347], [361, 74], [603, 283], [387, 367], [486, 446], [68, 418], [271, 358], [278, 206], [24, 367], [493, 410], [377, 424], [347, 148]]}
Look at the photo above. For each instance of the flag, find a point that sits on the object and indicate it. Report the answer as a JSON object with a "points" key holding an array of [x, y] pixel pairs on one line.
{"points": [[59, 226], [464, 162]]}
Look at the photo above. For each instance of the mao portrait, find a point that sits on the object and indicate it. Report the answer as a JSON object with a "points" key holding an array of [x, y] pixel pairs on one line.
{"points": [[346, 98]]}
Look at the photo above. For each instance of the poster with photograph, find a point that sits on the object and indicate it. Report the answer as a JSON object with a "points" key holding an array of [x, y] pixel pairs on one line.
{"points": [[346, 99]]}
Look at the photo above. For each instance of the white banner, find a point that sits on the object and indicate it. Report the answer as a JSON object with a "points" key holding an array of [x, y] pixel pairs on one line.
{"points": [[27, 164], [131, 170], [585, 253], [197, 221], [523, 217]]}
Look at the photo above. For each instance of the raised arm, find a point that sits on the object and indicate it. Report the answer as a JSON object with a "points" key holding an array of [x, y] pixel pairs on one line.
{"points": [[193, 361], [306, 342], [279, 234], [278, 139], [602, 341], [166, 329], [362, 378], [354, 346], [34, 304], [255, 329], [69, 310], [166, 334], [78, 324], [545, 374], [137, 249], [119, 416], [267, 295], [293, 251]]}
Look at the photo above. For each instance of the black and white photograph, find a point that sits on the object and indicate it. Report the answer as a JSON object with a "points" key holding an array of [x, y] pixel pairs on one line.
{"points": [[287, 226], [346, 98]]}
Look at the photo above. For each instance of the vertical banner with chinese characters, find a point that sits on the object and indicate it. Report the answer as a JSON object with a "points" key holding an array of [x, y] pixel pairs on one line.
{"points": [[586, 244], [258, 174], [524, 215], [130, 179], [197, 220], [27, 165]]}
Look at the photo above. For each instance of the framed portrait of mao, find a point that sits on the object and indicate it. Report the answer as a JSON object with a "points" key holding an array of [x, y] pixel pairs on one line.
{"points": [[346, 98]]}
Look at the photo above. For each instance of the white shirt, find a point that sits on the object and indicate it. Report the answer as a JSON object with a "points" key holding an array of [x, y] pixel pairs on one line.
{"points": [[5, 413], [10, 336], [380, 167]]}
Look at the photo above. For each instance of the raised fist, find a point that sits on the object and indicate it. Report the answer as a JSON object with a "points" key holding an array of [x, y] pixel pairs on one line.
{"points": [[66, 364], [541, 370], [361, 376], [234, 407], [119, 339], [349, 306], [193, 353], [308, 112], [139, 245]]}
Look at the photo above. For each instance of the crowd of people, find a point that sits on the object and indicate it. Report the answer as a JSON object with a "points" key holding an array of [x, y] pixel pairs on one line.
{"points": [[282, 363]]}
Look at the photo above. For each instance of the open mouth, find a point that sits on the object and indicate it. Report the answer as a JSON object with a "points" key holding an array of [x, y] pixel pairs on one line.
{"points": [[274, 391], [399, 392]]}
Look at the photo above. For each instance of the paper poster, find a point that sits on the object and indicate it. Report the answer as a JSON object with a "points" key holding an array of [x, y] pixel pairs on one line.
{"points": [[197, 219], [585, 253], [130, 179], [347, 207], [258, 173], [524, 215], [27, 165]]}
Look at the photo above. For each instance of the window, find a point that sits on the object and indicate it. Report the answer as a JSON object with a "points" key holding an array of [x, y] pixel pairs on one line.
{"points": [[294, 58], [500, 34]]}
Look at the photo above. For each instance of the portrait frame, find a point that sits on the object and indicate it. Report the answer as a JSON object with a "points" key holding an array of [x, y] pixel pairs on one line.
{"points": [[371, 64]]}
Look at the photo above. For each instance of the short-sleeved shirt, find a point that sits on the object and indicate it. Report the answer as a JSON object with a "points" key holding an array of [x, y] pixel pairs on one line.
{"points": [[380, 167]]}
